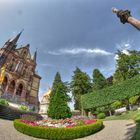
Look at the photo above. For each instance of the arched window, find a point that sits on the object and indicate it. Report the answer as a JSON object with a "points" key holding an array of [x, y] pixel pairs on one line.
{"points": [[19, 89], [4, 83], [11, 87], [24, 54], [11, 65]]}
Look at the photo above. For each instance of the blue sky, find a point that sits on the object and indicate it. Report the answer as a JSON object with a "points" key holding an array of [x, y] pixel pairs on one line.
{"points": [[69, 33]]}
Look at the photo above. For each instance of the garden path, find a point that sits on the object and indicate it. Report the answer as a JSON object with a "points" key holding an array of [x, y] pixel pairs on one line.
{"points": [[114, 130]]}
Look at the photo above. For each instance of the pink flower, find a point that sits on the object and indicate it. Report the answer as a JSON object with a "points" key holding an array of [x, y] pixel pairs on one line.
{"points": [[70, 125], [89, 121]]}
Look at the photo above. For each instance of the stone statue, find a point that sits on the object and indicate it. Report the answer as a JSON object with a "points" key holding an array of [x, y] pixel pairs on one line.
{"points": [[126, 17]]}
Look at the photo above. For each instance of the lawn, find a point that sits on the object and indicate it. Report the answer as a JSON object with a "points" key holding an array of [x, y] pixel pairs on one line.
{"points": [[135, 115]]}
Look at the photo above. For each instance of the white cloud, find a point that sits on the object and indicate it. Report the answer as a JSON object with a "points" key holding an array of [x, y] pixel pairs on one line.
{"points": [[77, 51], [125, 45]]}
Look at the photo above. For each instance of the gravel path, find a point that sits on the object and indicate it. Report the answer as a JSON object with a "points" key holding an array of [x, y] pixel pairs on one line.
{"points": [[114, 130]]}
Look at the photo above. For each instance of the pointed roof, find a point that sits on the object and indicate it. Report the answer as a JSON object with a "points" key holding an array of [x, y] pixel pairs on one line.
{"points": [[35, 56], [11, 43], [25, 47], [15, 39]]}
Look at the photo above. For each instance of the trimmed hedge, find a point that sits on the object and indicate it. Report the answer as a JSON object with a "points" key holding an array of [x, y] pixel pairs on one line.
{"points": [[58, 133], [107, 96]]}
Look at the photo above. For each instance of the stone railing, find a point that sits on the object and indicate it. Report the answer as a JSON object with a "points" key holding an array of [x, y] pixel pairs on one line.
{"points": [[15, 99]]}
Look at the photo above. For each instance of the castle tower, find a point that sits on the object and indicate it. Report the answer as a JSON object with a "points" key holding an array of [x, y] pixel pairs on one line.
{"points": [[21, 82]]}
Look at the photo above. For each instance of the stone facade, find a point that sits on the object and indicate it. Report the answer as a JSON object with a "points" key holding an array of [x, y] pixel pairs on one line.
{"points": [[21, 82]]}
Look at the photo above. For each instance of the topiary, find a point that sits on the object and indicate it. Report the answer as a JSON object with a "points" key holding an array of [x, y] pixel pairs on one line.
{"points": [[23, 108], [101, 116], [116, 104], [4, 102], [133, 100]]}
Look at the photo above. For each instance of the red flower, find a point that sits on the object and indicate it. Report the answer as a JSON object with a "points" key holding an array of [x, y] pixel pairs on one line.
{"points": [[70, 125], [89, 121]]}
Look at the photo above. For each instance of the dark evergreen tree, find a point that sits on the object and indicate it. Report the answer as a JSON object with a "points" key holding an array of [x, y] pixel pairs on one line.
{"points": [[99, 80], [58, 107], [80, 84]]}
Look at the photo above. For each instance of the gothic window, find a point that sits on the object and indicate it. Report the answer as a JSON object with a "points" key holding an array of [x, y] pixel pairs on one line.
{"points": [[24, 71], [11, 87], [19, 90], [11, 65], [24, 54], [20, 67], [4, 84]]}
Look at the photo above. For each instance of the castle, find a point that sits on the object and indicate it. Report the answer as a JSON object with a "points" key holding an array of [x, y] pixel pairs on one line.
{"points": [[21, 82]]}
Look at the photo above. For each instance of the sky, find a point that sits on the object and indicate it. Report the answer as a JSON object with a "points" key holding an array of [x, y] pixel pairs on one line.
{"points": [[70, 34]]}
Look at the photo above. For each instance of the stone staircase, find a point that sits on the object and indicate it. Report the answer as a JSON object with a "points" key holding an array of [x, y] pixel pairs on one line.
{"points": [[9, 113]]}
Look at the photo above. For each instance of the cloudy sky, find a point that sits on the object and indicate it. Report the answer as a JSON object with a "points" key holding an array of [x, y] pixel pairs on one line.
{"points": [[69, 33]]}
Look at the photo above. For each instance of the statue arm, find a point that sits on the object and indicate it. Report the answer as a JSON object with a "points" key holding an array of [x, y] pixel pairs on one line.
{"points": [[125, 17]]}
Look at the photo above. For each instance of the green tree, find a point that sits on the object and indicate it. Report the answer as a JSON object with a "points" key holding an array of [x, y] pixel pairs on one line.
{"points": [[99, 80], [58, 107], [128, 65], [80, 85]]}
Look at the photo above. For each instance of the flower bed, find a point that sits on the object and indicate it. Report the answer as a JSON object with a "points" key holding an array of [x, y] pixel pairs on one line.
{"points": [[59, 129]]}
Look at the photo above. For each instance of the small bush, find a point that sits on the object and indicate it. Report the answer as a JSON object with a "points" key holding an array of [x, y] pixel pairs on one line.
{"points": [[133, 100], [58, 133], [101, 116], [23, 108], [4, 102], [116, 104]]}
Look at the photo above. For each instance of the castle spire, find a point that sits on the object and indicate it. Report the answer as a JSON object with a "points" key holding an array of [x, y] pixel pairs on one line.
{"points": [[11, 43], [35, 55], [15, 39]]}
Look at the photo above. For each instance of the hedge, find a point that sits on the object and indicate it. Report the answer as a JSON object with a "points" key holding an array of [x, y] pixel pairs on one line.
{"points": [[107, 96], [58, 133]]}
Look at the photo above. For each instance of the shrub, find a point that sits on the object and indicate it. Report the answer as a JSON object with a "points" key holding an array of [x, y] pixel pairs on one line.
{"points": [[101, 116], [4, 102], [133, 100], [58, 133], [116, 104], [23, 108]]}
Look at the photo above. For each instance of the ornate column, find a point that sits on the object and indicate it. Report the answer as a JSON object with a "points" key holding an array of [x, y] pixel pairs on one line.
{"points": [[15, 90], [7, 86], [23, 95]]}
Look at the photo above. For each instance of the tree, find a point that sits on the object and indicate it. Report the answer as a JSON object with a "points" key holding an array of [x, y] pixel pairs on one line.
{"points": [[80, 85], [99, 80], [58, 107], [128, 65]]}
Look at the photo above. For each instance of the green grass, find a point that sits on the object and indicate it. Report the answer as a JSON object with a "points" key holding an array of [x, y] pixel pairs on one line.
{"points": [[128, 115], [135, 115]]}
